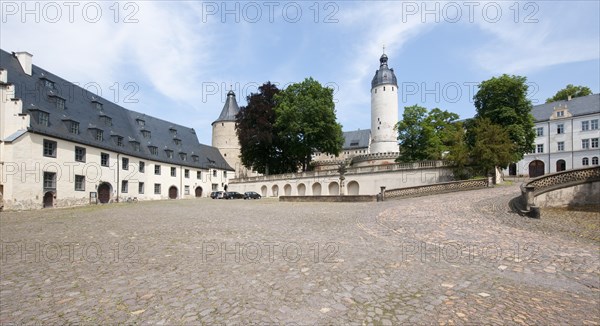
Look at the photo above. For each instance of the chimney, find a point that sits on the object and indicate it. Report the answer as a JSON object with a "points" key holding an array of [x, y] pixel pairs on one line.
{"points": [[25, 61], [569, 98]]}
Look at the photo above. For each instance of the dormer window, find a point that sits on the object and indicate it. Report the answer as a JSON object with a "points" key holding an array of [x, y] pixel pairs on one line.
{"points": [[43, 118], [106, 120], [169, 153], [146, 134], [195, 158], [135, 145], [183, 156], [97, 105], [47, 82], [173, 132], [98, 134], [354, 143], [153, 150], [60, 103], [74, 127], [140, 122], [177, 141]]}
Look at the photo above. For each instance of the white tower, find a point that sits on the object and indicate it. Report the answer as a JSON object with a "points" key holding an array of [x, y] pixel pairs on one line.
{"points": [[223, 133], [384, 109]]}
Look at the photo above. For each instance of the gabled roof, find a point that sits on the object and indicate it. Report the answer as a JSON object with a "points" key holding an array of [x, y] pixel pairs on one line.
{"points": [[356, 139], [230, 109], [81, 107], [577, 106]]}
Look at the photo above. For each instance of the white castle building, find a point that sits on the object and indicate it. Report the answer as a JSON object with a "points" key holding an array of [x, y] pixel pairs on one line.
{"points": [[60, 145], [567, 137]]}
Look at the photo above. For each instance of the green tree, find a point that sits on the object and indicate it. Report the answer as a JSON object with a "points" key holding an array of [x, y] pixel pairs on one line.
{"points": [[570, 90], [459, 153], [423, 134], [503, 100], [493, 146], [306, 121], [261, 149]]}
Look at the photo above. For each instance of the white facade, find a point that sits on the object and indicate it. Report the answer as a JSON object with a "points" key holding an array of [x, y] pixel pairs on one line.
{"points": [[567, 136], [384, 116], [44, 164]]}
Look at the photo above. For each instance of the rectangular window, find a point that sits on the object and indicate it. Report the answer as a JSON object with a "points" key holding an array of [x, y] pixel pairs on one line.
{"points": [[141, 188], [585, 125], [186, 173], [98, 105], [49, 180], [49, 83], [187, 190], [156, 169], [157, 188], [195, 158], [140, 122], [79, 183], [540, 148], [560, 113], [169, 153], [539, 131], [60, 103], [124, 186], [215, 187], [142, 167], [49, 148], [119, 141], [560, 146], [183, 156], [215, 173], [153, 150], [198, 175], [173, 172], [43, 118], [99, 136], [146, 134], [585, 143], [560, 128], [136, 146], [74, 128], [594, 124], [225, 174], [79, 154], [104, 158], [106, 119], [594, 142], [125, 163]]}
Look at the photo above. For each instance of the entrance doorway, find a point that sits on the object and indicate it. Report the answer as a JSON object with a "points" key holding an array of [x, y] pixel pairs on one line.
{"points": [[198, 191], [173, 192], [48, 199], [536, 169], [104, 191]]}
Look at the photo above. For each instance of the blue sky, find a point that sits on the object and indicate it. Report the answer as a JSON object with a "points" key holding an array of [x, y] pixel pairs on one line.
{"points": [[177, 60]]}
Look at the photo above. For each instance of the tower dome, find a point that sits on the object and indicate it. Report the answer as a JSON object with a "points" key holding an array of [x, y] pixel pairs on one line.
{"points": [[384, 75]]}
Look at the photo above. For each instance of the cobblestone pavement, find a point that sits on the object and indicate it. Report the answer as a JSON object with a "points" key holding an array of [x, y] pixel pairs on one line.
{"points": [[459, 258]]}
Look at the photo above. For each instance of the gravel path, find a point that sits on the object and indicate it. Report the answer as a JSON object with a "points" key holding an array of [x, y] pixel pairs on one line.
{"points": [[459, 258]]}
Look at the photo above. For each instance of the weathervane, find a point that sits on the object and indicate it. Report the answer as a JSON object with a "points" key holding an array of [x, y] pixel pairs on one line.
{"points": [[384, 49]]}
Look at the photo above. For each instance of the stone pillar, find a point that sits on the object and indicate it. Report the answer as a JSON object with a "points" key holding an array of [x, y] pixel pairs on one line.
{"points": [[382, 193], [529, 198]]}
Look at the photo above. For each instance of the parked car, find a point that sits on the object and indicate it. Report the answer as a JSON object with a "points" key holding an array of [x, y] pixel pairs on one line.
{"points": [[216, 195], [251, 195], [233, 195]]}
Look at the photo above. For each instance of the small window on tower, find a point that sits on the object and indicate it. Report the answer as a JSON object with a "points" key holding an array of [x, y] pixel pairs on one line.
{"points": [[384, 88]]}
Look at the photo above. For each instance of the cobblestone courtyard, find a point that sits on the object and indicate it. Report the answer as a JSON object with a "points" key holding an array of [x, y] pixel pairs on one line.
{"points": [[457, 258]]}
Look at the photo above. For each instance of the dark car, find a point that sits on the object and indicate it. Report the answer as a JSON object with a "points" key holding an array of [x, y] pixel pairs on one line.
{"points": [[251, 195], [216, 195], [232, 195]]}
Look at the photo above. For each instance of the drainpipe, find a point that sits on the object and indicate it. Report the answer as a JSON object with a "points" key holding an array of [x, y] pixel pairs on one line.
{"points": [[118, 185], [181, 181], [549, 163], [572, 143]]}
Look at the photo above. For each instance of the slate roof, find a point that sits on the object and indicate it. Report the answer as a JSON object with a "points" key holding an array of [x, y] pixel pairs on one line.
{"points": [[230, 109], [356, 139], [384, 75], [81, 106], [577, 106]]}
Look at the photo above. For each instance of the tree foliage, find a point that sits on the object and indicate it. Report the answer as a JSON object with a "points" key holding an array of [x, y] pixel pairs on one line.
{"points": [[423, 134], [306, 121], [570, 90], [503, 100], [261, 149], [493, 146]]}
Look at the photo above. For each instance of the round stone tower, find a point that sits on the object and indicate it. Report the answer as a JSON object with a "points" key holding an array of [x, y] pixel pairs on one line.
{"points": [[384, 109], [223, 133]]}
